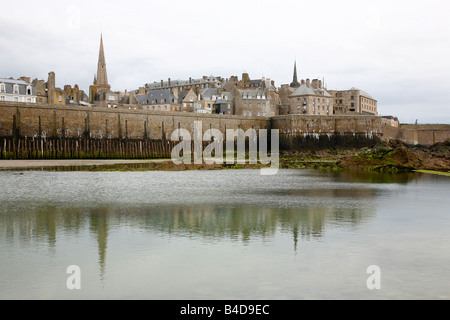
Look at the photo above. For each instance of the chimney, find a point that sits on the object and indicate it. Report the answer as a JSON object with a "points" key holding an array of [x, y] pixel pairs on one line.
{"points": [[169, 82], [162, 83], [190, 80], [302, 82], [308, 83], [320, 84], [26, 79], [273, 83]]}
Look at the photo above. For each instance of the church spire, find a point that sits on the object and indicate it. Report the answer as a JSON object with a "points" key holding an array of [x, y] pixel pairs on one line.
{"points": [[295, 83], [102, 76]]}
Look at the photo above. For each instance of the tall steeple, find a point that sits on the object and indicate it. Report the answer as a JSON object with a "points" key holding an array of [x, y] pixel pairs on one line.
{"points": [[102, 76], [295, 83]]}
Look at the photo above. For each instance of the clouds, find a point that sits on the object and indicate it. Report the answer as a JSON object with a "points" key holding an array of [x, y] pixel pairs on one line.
{"points": [[391, 49]]}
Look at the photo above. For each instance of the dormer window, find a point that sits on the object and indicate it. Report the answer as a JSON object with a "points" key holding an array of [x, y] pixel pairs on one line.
{"points": [[29, 91], [16, 88], [2, 87]]}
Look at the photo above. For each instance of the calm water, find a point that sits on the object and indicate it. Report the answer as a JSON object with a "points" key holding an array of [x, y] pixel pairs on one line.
{"points": [[229, 234]]}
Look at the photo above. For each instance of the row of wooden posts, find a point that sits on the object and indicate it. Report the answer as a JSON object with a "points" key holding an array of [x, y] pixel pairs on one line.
{"points": [[84, 148]]}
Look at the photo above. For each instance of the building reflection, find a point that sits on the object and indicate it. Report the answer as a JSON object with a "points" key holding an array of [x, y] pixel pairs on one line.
{"points": [[205, 221]]}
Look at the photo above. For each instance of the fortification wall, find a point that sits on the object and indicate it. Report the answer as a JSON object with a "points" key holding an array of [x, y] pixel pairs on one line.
{"points": [[97, 123], [309, 131], [296, 131], [415, 135]]}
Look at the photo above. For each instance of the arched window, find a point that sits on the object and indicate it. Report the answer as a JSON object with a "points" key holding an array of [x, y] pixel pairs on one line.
{"points": [[2, 87], [16, 88]]}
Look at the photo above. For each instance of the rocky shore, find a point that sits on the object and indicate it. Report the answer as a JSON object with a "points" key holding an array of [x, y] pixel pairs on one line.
{"points": [[390, 157]]}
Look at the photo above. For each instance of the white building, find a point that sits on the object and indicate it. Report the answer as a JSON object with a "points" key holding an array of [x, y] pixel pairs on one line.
{"points": [[17, 91]]}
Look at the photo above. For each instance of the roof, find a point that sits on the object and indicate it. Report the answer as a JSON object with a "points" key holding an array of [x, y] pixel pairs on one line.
{"points": [[363, 93], [252, 93], [13, 81], [10, 83], [304, 90], [156, 97]]}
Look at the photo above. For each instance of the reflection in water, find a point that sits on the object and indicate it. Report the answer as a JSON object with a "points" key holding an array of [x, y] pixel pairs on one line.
{"points": [[243, 223], [221, 234]]}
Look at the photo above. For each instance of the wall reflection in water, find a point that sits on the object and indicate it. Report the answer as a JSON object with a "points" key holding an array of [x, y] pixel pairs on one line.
{"points": [[206, 222]]}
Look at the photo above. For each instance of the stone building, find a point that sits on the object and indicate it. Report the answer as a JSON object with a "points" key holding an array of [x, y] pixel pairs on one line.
{"points": [[390, 121], [47, 93], [216, 101], [253, 103], [310, 98], [20, 90], [354, 101], [160, 100], [75, 95], [189, 100]]}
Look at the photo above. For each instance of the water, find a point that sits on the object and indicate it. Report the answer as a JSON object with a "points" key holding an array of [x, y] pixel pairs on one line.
{"points": [[229, 234]]}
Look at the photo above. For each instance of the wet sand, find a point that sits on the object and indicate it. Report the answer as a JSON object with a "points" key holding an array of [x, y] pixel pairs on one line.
{"points": [[29, 164]]}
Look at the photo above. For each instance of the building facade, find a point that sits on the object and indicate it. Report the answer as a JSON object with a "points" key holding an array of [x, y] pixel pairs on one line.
{"points": [[354, 101], [12, 90]]}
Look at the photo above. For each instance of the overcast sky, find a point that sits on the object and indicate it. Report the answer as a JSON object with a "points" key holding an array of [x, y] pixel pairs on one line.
{"points": [[396, 50]]}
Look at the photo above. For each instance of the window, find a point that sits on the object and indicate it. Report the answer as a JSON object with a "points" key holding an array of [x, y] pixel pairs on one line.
{"points": [[353, 97], [2, 98], [111, 98], [229, 106], [16, 99], [2, 87], [250, 114], [29, 91], [29, 100], [60, 99]]}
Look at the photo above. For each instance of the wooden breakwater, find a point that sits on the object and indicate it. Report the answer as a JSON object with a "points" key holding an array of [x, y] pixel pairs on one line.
{"points": [[83, 148]]}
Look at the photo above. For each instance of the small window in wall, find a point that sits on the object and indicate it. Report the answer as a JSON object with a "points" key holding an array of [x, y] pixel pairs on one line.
{"points": [[2, 87], [29, 91], [60, 99], [16, 99], [16, 88], [29, 100], [2, 98]]}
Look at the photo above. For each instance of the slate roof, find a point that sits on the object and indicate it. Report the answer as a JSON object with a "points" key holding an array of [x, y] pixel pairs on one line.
{"points": [[156, 97], [9, 86], [304, 90]]}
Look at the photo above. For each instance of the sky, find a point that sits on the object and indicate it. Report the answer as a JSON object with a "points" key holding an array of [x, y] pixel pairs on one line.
{"points": [[397, 50]]}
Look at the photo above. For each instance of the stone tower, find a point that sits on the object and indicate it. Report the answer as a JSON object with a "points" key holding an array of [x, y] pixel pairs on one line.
{"points": [[295, 83], [102, 76]]}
